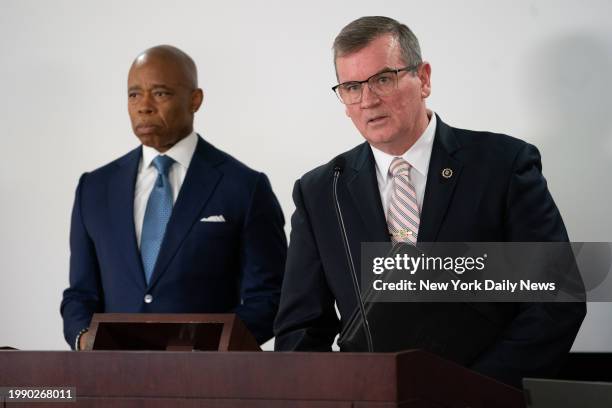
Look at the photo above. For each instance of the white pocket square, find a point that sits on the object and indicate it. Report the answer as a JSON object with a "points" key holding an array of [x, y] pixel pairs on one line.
{"points": [[213, 218]]}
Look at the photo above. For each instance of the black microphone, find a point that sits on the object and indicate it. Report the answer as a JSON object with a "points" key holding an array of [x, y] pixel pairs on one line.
{"points": [[338, 168]]}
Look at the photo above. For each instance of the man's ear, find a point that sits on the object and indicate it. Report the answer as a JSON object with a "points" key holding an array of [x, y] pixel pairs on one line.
{"points": [[424, 74], [197, 96]]}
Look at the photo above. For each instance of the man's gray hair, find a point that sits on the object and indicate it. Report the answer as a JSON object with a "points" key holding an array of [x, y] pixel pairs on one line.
{"points": [[359, 33]]}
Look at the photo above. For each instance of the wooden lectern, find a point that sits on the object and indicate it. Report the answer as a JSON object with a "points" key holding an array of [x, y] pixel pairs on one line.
{"points": [[156, 372], [170, 332], [155, 379]]}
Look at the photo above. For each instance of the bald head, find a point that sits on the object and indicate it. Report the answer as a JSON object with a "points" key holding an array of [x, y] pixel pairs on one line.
{"points": [[169, 55], [163, 96]]}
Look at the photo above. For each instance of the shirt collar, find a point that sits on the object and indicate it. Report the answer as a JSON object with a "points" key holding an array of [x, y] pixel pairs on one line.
{"points": [[418, 155], [181, 152]]}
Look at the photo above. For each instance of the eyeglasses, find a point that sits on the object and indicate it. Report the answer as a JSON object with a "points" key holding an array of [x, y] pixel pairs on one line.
{"points": [[383, 83]]}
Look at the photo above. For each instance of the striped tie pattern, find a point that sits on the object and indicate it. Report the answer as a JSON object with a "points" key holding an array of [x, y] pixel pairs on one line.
{"points": [[403, 212]]}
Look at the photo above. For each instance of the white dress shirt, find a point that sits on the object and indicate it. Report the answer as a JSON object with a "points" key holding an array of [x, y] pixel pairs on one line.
{"points": [[417, 156], [182, 152]]}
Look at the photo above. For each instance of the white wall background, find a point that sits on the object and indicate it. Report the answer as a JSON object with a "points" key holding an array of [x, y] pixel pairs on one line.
{"points": [[539, 70]]}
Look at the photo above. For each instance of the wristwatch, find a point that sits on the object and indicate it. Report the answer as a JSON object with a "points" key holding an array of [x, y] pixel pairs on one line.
{"points": [[77, 342]]}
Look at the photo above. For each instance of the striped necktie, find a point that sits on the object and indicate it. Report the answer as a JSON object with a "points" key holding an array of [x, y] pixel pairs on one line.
{"points": [[403, 212]]}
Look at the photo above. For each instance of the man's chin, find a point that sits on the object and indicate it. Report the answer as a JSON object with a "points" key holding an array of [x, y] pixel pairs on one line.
{"points": [[386, 143], [377, 139], [152, 141]]}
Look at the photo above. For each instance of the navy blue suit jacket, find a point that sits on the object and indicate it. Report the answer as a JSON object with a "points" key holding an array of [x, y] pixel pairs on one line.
{"points": [[202, 267], [497, 193]]}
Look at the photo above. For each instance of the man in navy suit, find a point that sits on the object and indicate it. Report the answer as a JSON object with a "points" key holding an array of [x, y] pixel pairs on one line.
{"points": [[176, 225], [417, 179]]}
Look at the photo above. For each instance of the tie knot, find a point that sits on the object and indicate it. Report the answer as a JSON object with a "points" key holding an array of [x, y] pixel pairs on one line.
{"points": [[162, 164], [399, 166]]}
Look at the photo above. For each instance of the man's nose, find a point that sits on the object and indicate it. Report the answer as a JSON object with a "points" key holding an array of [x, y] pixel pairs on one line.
{"points": [[146, 105], [368, 97]]}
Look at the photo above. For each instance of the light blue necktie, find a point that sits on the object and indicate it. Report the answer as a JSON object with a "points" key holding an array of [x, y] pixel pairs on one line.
{"points": [[157, 214]]}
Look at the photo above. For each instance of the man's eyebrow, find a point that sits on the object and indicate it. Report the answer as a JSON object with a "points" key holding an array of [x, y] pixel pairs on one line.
{"points": [[385, 69], [380, 71]]}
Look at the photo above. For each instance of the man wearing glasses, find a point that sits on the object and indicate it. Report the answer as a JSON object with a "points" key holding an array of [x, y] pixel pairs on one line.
{"points": [[416, 179]]}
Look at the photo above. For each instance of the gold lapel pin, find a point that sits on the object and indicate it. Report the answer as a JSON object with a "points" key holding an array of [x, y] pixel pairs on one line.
{"points": [[447, 173]]}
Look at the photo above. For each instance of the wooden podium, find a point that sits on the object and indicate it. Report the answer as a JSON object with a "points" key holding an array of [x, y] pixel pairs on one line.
{"points": [[170, 332], [254, 379], [179, 378]]}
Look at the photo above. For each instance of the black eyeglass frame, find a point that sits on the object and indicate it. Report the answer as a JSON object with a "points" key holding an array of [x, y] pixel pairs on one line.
{"points": [[409, 68]]}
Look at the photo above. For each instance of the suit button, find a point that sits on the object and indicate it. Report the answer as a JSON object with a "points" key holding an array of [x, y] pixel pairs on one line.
{"points": [[148, 298]]}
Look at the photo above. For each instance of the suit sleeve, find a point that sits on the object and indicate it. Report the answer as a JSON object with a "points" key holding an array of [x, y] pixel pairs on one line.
{"points": [[306, 319], [540, 336], [83, 297], [263, 254]]}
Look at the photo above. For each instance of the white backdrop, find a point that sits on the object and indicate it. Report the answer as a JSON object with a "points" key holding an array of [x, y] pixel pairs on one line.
{"points": [[538, 70]]}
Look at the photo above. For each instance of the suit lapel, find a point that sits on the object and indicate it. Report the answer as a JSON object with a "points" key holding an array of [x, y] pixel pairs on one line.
{"points": [[439, 189], [363, 187], [121, 209], [200, 182]]}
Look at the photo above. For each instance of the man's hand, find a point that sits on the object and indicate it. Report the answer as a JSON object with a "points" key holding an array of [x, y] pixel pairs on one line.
{"points": [[85, 341]]}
